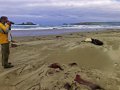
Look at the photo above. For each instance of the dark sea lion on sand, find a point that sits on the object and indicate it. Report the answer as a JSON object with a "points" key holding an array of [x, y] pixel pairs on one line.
{"points": [[55, 66]]}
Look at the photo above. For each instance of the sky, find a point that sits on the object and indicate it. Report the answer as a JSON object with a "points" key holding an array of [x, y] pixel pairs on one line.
{"points": [[56, 12]]}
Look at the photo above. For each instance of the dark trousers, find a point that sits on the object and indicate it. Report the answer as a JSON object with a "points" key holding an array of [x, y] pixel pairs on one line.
{"points": [[5, 53]]}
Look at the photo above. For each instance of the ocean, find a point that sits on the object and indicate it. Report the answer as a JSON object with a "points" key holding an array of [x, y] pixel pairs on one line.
{"points": [[38, 30]]}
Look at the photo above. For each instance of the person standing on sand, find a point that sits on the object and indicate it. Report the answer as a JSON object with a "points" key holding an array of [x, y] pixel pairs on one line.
{"points": [[4, 29]]}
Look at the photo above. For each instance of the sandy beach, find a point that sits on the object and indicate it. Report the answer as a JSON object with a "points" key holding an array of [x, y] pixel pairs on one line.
{"points": [[32, 58]]}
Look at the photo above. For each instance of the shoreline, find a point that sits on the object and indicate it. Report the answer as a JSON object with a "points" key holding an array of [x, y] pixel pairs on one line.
{"points": [[20, 33], [26, 38]]}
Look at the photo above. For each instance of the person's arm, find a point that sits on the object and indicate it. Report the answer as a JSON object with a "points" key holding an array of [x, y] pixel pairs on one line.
{"points": [[1, 31], [4, 28]]}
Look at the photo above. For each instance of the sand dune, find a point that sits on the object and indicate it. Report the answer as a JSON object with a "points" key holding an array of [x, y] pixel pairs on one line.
{"points": [[96, 64]]}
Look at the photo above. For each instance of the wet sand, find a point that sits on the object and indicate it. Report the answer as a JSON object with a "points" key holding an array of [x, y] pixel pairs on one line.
{"points": [[96, 64]]}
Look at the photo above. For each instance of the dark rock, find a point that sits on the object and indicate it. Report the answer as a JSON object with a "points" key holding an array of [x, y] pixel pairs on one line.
{"points": [[73, 64], [56, 66]]}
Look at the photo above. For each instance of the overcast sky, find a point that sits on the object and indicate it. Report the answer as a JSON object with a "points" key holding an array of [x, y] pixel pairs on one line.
{"points": [[60, 11]]}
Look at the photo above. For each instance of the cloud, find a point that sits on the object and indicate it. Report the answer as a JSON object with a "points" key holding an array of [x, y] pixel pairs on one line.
{"points": [[70, 3], [29, 6], [58, 3], [62, 10]]}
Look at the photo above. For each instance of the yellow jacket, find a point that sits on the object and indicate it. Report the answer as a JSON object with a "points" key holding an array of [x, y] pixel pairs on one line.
{"points": [[3, 33]]}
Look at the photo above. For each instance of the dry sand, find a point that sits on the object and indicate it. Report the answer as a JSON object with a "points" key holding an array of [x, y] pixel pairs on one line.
{"points": [[97, 64]]}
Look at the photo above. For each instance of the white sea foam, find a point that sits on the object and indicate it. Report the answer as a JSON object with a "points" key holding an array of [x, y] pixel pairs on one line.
{"points": [[37, 27]]}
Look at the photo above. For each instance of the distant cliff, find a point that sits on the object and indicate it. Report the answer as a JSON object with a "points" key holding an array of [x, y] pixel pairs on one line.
{"points": [[96, 23]]}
